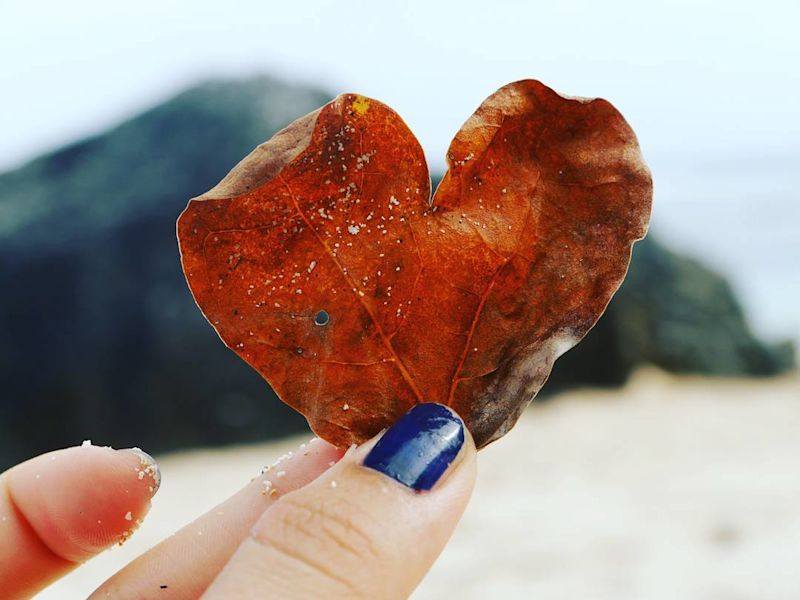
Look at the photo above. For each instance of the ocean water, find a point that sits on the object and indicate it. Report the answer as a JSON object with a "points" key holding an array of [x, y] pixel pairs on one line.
{"points": [[741, 216]]}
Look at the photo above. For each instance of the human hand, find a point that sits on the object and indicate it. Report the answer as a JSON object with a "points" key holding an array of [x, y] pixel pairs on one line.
{"points": [[320, 524]]}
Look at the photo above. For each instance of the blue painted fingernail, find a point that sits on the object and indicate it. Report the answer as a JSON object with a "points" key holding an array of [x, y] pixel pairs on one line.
{"points": [[417, 450]]}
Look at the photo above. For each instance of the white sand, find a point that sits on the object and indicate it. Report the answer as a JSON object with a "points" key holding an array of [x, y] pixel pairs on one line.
{"points": [[670, 488]]}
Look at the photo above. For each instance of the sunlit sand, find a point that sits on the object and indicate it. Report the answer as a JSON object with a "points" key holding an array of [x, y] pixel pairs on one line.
{"points": [[668, 488]]}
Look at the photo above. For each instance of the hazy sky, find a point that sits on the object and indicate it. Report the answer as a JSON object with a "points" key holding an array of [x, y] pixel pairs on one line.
{"points": [[688, 75], [711, 88]]}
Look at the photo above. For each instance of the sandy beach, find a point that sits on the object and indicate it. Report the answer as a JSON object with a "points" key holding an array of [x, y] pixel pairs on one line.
{"points": [[669, 488]]}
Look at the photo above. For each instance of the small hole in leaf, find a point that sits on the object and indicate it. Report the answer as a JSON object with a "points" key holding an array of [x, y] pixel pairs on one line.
{"points": [[322, 318]]}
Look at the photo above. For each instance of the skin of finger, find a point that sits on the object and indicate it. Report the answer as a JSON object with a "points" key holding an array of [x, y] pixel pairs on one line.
{"points": [[352, 533], [59, 509], [188, 561], [26, 564]]}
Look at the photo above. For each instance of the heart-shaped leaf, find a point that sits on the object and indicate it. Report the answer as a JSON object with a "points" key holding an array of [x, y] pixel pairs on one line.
{"points": [[323, 262]]}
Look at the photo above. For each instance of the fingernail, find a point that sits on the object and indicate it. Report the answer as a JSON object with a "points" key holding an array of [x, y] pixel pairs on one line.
{"points": [[149, 466], [417, 450]]}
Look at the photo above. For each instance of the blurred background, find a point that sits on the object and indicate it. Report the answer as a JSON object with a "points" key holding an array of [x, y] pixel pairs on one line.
{"points": [[660, 461]]}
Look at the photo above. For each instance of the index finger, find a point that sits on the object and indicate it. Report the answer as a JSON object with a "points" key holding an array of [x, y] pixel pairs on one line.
{"points": [[59, 509]]}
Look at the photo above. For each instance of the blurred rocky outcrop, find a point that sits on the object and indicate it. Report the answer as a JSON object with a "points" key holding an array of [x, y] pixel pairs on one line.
{"points": [[677, 314], [99, 336]]}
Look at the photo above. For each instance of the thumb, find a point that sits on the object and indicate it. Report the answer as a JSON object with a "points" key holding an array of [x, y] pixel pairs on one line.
{"points": [[369, 527]]}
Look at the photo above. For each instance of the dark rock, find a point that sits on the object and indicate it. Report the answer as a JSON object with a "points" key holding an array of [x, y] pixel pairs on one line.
{"points": [[677, 314], [99, 336], [100, 339]]}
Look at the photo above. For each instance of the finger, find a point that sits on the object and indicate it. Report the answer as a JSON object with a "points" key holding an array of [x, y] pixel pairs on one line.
{"points": [[184, 565], [60, 509], [369, 527]]}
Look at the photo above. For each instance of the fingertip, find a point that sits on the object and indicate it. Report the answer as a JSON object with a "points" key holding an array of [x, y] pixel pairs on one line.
{"points": [[148, 469], [367, 527], [81, 500], [421, 448]]}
